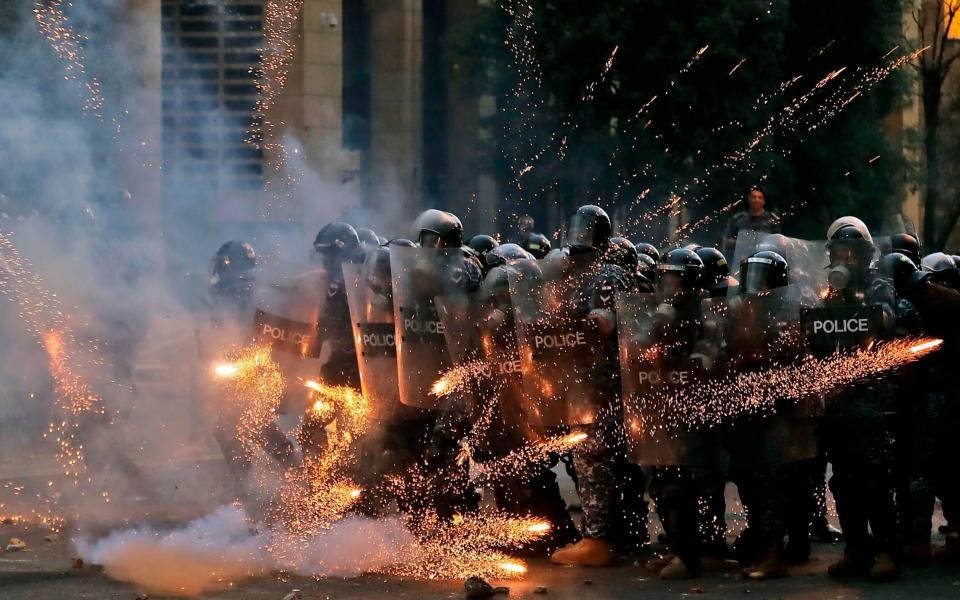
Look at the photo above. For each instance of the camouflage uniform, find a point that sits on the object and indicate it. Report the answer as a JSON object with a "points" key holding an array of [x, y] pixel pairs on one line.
{"points": [[599, 461]]}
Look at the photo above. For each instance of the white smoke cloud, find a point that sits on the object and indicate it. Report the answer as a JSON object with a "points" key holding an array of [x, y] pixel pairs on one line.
{"points": [[224, 548]]}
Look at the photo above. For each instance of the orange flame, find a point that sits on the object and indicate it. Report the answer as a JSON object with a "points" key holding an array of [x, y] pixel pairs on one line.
{"points": [[514, 567], [924, 346], [440, 387]]}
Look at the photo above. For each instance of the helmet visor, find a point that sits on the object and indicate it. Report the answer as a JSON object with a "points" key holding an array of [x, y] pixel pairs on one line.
{"points": [[755, 275], [582, 232], [430, 239]]}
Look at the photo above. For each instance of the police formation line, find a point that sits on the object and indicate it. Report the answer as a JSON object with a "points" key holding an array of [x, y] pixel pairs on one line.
{"points": [[582, 337]]}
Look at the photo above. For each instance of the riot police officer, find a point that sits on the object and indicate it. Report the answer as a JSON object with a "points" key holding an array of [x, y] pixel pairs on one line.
{"points": [[854, 432], [232, 281], [599, 461], [335, 244], [686, 335], [767, 450], [232, 277]]}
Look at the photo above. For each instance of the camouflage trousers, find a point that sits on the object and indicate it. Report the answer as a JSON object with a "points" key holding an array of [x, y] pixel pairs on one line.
{"points": [[611, 489]]}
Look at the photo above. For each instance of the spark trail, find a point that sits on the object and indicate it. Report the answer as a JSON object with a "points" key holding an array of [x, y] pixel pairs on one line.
{"points": [[720, 400]]}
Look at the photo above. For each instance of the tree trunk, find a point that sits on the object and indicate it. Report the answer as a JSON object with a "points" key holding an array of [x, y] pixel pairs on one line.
{"points": [[932, 88]]}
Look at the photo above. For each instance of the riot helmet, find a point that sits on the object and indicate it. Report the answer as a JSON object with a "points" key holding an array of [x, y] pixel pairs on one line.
{"points": [[942, 268], [715, 267], [623, 253], [438, 229], [848, 221], [763, 271], [647, 267], [481, 244], [680, 273], [536, 244], [368, 238], [900, 270], [648, 249], [589, 230], [234, 261], [505, 254], [335, 244], [907, 245]]}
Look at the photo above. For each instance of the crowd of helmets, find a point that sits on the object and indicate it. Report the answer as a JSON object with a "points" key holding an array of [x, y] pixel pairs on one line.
{"points": [[890, 460]]}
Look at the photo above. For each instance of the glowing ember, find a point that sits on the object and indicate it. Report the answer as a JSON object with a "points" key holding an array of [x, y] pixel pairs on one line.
{"points": [[225, 370], [440, 387], [513, 567], [539, 527], [355, 493], [715, 401], [925, 346]]}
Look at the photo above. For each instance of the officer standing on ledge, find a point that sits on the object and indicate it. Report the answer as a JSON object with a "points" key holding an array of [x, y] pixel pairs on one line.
{"points": [[755, 218]]}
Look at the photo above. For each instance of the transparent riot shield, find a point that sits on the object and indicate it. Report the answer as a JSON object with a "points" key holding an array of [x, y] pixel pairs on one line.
{"points": [[568, 364], [481, 336], [663, 353], [420, 275], [287, 315], [374, 336], [807, 260], [763, 334]]}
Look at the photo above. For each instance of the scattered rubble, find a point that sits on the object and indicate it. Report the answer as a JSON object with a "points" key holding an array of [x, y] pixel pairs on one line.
{"points": [[476, 587]]}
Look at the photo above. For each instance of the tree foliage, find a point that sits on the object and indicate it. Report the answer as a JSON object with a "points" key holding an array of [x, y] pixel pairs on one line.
{"points": [[706, 133]]}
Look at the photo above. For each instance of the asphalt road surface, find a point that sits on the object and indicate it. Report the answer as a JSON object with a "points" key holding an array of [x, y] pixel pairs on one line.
{"points": [[44, 570]]}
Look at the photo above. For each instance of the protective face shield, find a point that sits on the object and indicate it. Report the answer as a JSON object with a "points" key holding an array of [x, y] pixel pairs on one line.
{"points": [[763, 272], [681, 273], [589, 230]]}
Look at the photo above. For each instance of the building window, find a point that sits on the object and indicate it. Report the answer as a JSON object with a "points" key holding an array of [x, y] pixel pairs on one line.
{"points": [[211, 50]]}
